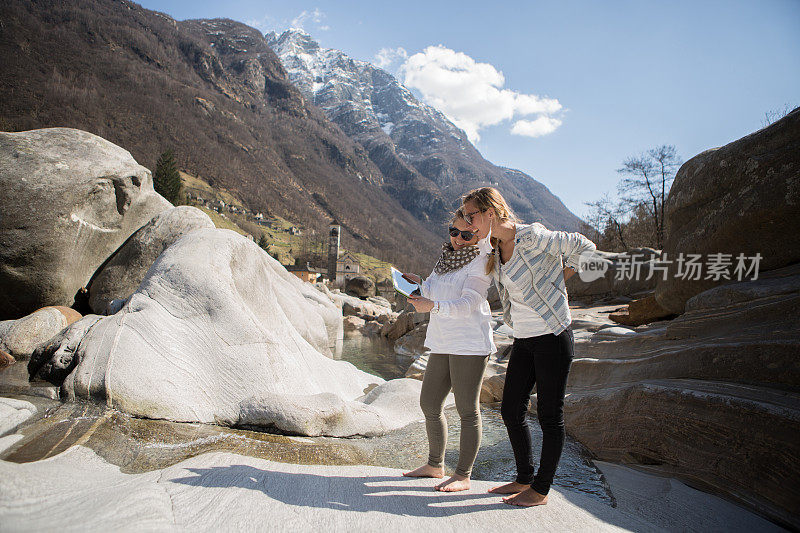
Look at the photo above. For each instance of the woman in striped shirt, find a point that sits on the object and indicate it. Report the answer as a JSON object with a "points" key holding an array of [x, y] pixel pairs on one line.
{"points": [[529, 264]]}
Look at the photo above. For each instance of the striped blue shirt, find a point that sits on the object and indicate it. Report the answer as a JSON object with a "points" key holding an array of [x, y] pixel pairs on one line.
{"points": [[536, 268]]}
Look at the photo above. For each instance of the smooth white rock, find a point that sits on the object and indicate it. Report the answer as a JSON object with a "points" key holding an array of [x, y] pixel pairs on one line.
{"points": [[218, 332], [219, 491], [13, 413]]}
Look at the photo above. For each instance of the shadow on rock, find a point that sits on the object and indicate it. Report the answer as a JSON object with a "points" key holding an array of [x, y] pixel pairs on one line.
{"points": [[360, 494]]}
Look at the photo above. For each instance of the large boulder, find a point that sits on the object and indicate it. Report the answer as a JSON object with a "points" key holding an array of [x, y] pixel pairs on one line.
{"points": [[69, 200], [314, 316], [20, 337], [711, 395], [743, 198], [123, 272], [213, 334], [360, 287]]}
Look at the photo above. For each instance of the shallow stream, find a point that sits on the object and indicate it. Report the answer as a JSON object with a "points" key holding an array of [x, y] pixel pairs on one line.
{"points": [[140, 445]]}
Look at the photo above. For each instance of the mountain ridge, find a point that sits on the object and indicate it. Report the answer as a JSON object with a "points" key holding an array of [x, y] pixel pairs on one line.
{"points": [[419, 150], [214, 91]]}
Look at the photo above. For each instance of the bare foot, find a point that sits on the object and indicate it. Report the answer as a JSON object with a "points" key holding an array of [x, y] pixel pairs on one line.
{"points": [[526, 498], [454, 484], [509, 488], [426, 471]]}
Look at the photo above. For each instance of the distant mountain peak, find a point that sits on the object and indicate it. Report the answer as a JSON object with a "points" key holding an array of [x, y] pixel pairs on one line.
{"points": [[428, 161]]}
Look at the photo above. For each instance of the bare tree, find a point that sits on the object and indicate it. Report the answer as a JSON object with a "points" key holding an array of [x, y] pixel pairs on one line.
{"points": [[646, 181], [607, 214], [776, 114]]}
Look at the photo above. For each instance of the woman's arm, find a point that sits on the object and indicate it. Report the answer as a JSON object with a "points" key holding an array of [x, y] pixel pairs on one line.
{"points": [[472, 296], [569, 245]]}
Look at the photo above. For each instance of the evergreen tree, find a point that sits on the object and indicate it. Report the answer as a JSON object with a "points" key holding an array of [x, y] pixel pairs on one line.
{"points": [[262, 242], [167, 180]]}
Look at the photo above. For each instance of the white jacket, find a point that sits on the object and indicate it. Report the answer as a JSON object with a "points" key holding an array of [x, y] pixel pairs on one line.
{"points": [[463, 323]]}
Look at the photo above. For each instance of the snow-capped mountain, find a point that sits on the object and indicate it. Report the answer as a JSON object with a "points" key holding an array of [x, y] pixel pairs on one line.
{"points": [[427, 161]]}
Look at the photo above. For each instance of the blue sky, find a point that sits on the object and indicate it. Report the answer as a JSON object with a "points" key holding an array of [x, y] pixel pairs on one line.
{"points": [[609, 78]]}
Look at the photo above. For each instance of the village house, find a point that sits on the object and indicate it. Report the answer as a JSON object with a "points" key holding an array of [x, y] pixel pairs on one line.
{"points": [[307, 272], [347, 267]]}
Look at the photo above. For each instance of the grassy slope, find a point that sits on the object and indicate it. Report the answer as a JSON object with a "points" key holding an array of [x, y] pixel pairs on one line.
{"points": [[281, 243]]}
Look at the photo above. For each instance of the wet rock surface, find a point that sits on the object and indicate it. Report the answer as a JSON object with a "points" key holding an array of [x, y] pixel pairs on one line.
{"points": [[221, 490], [148, 447]]}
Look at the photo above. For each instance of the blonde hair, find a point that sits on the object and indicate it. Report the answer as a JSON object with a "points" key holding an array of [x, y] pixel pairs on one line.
{"points": [[484, 199], [458, 213]]}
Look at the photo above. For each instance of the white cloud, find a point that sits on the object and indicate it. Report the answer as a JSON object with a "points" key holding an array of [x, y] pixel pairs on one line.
{"points": [[530, 104], [386, 57], [471, 93], [305, 17], [535, 128]]}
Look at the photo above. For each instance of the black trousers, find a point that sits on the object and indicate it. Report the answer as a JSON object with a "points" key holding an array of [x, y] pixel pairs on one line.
{"points": [[543, 361]]}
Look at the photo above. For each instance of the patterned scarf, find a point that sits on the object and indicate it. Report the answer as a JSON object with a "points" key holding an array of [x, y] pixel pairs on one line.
{"points": [[454, 259]]}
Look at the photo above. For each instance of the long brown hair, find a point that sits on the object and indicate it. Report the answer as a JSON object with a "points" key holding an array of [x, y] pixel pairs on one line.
{"points": [[490, 198]]}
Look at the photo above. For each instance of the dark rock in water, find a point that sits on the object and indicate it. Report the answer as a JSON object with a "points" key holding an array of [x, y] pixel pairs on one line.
{"points": [[493, 298], [360, 286], [405, 322], [711, 396], [69, 200], [123, 272], [743, 198]]}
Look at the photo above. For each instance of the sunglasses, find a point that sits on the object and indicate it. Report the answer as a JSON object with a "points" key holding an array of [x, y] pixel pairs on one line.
{"points": [[466, 235], [468, 216]]}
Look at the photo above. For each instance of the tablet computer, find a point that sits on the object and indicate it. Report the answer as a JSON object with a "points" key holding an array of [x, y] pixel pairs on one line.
{"points": [[401, 284]]}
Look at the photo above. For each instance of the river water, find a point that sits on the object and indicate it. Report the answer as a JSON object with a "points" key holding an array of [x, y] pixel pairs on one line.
{"points": [[140, 445]]}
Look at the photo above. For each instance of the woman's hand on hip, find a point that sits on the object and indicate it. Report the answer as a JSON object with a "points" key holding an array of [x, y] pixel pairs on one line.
{"points": [[422, 305]]}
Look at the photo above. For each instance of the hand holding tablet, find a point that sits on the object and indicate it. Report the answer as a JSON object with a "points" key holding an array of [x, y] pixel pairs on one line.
{"points": [[404, 285]]}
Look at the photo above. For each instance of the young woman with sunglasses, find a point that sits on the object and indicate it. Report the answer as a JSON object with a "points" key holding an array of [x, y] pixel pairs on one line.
{"points": [[459, 337], [529, 265]]}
